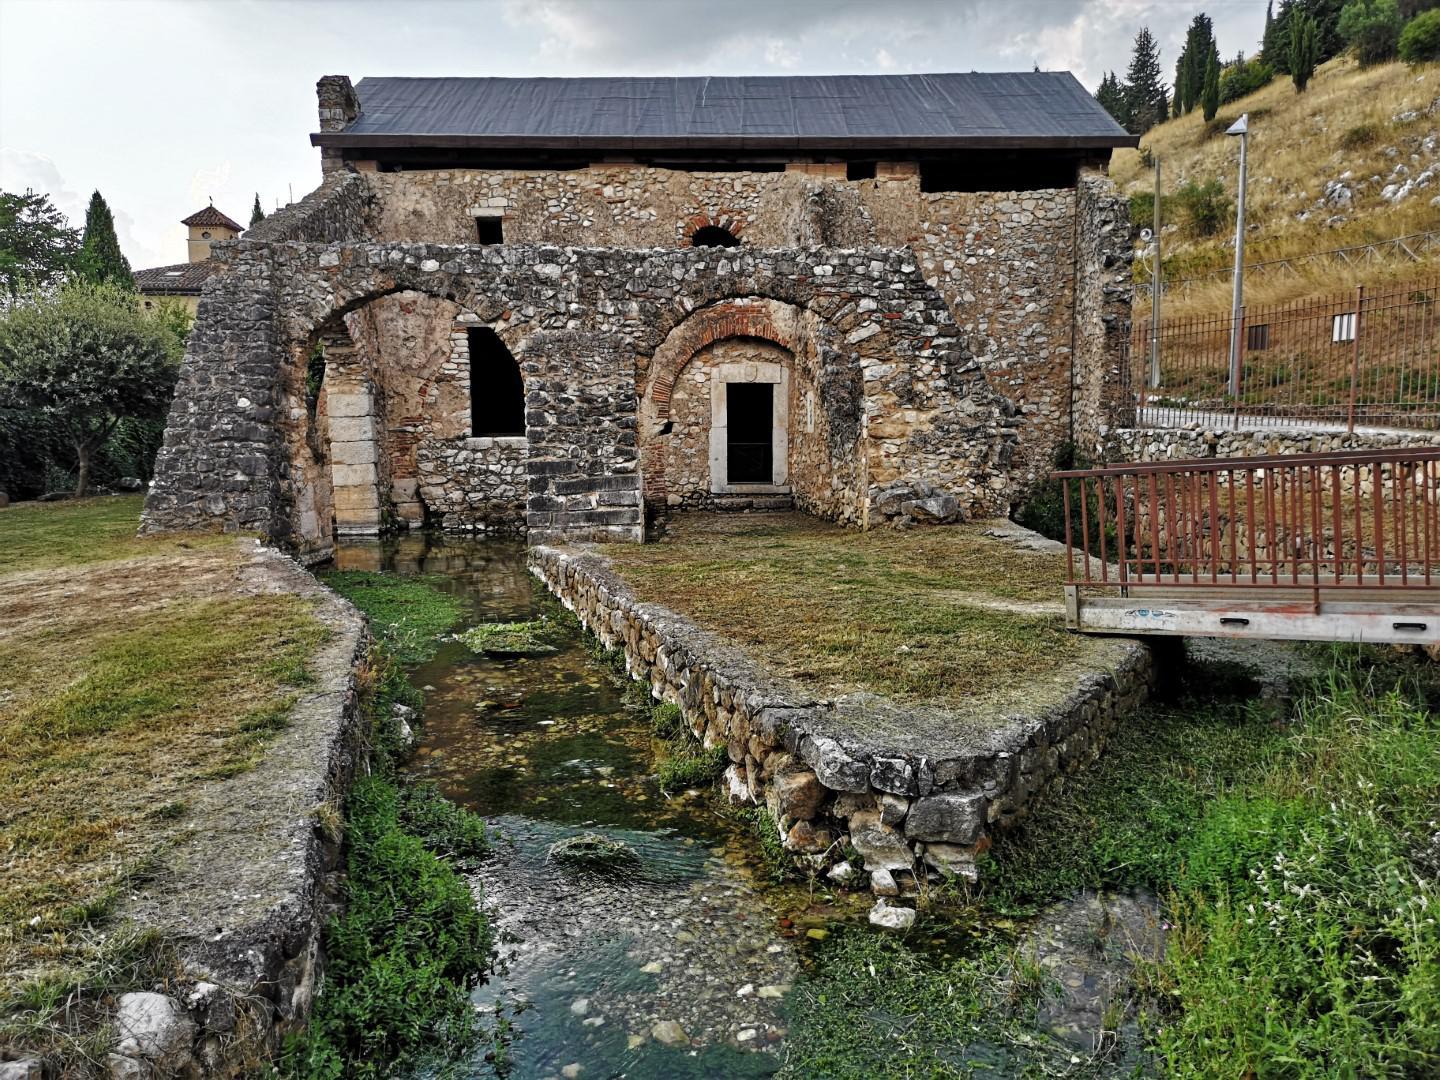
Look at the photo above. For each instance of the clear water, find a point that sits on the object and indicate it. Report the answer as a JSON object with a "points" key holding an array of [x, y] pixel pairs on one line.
{"points": [[595, 969]]}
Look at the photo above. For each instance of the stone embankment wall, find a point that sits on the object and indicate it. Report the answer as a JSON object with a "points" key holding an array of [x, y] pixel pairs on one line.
{"points": [[1166, 444], [243, 892], [907, 812]]}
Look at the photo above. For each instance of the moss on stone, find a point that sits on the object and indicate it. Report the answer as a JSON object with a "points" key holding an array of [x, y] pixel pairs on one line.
{"points": [[536, 637]]}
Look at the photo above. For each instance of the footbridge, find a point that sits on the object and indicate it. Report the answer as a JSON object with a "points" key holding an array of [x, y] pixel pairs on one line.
{"points": [[1325, 547]]}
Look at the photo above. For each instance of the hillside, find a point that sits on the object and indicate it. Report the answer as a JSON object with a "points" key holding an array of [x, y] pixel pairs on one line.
{"points": [[1351, 161]]}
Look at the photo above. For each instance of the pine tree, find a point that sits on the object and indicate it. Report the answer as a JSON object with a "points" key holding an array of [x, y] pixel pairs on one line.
{"points": [[1304, 51], [1111, 97], [101, 259], [1275, 46], [1146, 103], [1210, 96], [256, 214]]}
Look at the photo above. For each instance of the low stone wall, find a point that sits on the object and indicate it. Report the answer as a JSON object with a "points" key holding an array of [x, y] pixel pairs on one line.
{"points": [[1164, 444], [245, 897], [908, 812]]}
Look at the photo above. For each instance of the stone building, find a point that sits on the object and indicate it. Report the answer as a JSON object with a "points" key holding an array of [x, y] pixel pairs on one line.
{"points": [[182, 283], [563, 306]]}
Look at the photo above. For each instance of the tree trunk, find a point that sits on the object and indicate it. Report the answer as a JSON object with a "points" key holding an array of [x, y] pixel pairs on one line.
{"points": [[82, 460]]}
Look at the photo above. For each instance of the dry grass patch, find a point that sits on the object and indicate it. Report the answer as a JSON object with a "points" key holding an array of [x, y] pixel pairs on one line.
{"points": [[125, 685], [1345, 122], [933, 614]]}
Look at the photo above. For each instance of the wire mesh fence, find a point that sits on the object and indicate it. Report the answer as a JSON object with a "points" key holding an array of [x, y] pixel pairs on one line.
{"points": [[1359, 358]]}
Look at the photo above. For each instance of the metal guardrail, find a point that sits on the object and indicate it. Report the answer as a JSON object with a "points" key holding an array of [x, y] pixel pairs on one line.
{"points": [[1356, 358], [1358, 531], [1352, 519]]}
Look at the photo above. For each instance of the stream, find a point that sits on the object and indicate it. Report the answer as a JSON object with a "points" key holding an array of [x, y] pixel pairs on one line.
{"points": [[677, 967]]}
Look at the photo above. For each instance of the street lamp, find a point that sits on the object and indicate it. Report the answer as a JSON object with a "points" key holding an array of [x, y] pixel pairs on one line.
{"points": [[1241, 127]]}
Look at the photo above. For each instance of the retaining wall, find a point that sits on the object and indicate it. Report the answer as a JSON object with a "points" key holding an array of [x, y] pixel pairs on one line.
{"points": [[909, 811]]}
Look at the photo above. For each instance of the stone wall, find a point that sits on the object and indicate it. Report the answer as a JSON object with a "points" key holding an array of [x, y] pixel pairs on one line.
{"points": [[475, 485], [1166, 444], [907, 812], [913, 428], [1007, 263]]}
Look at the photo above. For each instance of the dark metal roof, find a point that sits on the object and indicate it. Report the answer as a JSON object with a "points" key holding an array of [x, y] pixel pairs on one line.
{"points": [[978, 109]]}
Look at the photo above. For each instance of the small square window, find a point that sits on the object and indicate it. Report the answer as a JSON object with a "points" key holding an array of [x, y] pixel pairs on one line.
{"points": [[489, 230], [1342, 327], [860, 170], [1257, 337]]}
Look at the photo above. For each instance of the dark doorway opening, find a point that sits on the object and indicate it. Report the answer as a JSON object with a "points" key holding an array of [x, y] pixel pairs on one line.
{"points": [[497, 393], [490, 230], [749, 448]]}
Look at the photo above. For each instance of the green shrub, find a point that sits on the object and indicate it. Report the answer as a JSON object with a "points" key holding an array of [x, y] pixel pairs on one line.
{"points": [[1372, 29], [1204, 204], [1243, 78], [667, 721], [1420, 40], [446, 830]]}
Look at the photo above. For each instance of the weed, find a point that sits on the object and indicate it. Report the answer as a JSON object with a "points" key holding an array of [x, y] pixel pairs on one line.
{"points": [[533, 638], [594, 853], [696, 768], [667, 722], [407, 614]]}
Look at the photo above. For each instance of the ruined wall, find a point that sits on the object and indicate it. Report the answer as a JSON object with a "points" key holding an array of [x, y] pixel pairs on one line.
{"points": [[1005, 262], [581, 323], [1176, 444], [1102, 403]]}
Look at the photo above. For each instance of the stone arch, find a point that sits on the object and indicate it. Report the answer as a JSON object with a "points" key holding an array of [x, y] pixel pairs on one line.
{"points": [[727, 221], [746, 339]]}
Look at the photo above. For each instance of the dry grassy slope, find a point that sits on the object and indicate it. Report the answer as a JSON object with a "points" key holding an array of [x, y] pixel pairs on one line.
{"points": [[1364, 128]]}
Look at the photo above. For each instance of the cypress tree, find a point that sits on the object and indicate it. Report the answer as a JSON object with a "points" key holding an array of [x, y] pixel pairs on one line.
{"points": [[1194, 60], [1210, 96], [256, 214], [1304, 51], [101, 259], [1145, 101]]}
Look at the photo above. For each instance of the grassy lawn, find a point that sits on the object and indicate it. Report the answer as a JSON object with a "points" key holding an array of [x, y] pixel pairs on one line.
{"points": [[927, 614], [133, 671], [43, 536]]}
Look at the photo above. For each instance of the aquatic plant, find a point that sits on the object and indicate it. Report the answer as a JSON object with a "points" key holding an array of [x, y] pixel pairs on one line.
{"points": [[535, 637], [593, 852]]}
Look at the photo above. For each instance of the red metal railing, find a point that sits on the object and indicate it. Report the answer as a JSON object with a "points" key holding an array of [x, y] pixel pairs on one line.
{"points": [[1355, 519], [1362, 357]]}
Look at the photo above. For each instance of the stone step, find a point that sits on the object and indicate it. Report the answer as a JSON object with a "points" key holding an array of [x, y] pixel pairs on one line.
{"points": [[753, 502]]}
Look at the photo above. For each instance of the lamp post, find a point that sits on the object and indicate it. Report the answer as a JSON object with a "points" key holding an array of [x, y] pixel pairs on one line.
{"points": [[1241, 127]]}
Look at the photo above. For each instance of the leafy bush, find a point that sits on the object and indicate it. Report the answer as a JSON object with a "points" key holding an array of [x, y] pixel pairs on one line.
{"points": [[1205, 206], [1372, 29], [1420, 40], [1243, 78]]}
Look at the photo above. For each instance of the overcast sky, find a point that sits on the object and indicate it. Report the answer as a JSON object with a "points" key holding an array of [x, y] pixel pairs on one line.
{"points": [[164, 104]]}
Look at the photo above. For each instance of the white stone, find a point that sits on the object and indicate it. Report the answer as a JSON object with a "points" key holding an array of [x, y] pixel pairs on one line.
{"points": [[891, 918], [153, 1027]]}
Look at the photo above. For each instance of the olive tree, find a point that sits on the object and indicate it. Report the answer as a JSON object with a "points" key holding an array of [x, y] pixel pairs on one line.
{"points": [[86, 358]]}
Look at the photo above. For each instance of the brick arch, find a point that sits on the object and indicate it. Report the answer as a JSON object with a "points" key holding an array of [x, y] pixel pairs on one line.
{"points": [[749, 317], [729, 220]]}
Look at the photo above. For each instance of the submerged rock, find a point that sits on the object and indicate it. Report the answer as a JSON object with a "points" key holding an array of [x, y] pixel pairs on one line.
{"points": [[670, 1033], [533, 638], [592, 851]]}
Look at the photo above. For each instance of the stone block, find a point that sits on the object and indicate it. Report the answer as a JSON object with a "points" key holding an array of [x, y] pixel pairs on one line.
{"points": [[881, 846], [951, 818], [351, 428], [352, 453], [795, 795], [343, 405], [343, 476]]}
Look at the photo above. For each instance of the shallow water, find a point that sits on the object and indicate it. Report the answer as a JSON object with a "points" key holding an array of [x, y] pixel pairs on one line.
{"points": [[597, 971]]}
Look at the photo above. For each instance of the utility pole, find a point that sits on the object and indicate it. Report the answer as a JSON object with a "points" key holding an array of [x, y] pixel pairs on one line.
{"points": [[1241, 127], [1155, 291]]}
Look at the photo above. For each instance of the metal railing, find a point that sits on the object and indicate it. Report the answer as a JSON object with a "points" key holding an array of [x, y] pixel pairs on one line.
{"points": [[1357, 358], [1337, 522]]}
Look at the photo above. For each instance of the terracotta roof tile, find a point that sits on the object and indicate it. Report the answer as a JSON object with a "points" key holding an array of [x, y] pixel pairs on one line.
{"points": [[212, 219]]}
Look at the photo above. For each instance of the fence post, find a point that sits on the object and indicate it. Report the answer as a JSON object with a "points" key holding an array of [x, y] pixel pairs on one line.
{"points": [[1355, 360], [1238, 380]]}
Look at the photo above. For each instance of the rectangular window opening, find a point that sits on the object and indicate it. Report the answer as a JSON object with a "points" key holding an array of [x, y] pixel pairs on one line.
{"points": [[1257, 337], [860, 170], [1342, 327], [490, 230]]}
